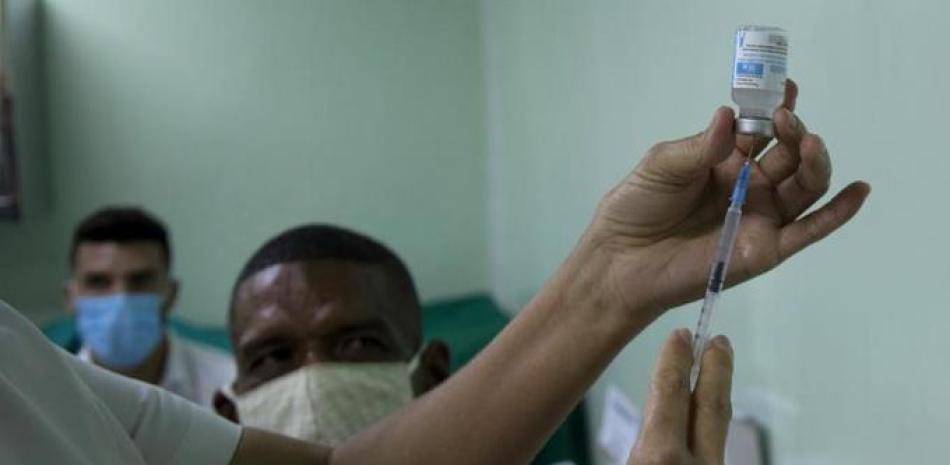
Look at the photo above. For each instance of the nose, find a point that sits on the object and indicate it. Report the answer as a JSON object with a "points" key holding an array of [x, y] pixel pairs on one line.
{"points": [[121, 287]]}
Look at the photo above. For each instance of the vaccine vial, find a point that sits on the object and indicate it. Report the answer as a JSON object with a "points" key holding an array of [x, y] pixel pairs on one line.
{"points": [[758, 77]]}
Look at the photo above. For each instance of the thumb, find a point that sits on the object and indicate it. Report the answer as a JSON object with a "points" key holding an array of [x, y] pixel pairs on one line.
{"points": [[683, 160]]}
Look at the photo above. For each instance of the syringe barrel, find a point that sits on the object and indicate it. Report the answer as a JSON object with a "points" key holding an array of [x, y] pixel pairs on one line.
{"points": [[702, 335], [727, 242]]}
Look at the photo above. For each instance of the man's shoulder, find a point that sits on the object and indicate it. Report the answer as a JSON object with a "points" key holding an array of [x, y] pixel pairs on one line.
{"points": [[208, 361], [203, 353]]}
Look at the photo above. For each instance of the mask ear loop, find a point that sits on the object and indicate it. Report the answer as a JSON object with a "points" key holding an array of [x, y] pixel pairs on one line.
{"points": [[228, 392], [415, 362]]}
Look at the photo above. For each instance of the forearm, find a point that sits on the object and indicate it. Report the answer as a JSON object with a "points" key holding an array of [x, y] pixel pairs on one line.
{"points": [[502, 406]]}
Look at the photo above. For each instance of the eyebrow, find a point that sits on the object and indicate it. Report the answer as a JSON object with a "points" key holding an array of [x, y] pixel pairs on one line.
{"points": [[149, 271], [95, 274], [254, 338], [255, 345], [144, 272], [373, 324]]}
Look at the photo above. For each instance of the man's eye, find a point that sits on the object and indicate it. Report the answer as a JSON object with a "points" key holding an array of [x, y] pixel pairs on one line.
{"points": [[272, 359], [356, 347], [140, 283], [97, 282]]}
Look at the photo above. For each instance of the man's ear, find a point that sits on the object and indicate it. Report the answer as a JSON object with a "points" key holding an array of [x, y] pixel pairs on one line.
{"points": [[171, 296], [434, 367], [225, 407], [69, 293]]}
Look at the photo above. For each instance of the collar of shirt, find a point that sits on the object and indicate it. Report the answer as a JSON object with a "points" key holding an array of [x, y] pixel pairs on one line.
{"points": [[175, 376]]}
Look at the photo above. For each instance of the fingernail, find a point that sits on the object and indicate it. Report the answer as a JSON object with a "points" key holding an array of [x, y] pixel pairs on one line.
{"points": [[685, 335], [723, 343]]}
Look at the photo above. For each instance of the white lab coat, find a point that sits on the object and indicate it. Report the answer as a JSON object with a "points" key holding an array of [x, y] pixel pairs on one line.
{"points": [[193, 371], [57, 409]]}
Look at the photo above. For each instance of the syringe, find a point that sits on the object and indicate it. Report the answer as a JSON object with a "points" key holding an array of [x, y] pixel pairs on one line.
{"points": [[720, 266]]}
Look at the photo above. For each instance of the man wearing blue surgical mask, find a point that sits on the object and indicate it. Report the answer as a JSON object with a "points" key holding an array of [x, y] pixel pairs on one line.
{"points": [[121, 292], [327, 331]]}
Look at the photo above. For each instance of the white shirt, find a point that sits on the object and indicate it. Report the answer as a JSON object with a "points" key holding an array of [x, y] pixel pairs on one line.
{"points": [[57, 409], [193, 371]]}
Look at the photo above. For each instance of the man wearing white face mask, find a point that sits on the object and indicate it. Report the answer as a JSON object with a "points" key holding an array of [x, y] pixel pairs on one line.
{"points": [[121, 292], [326, 326]]}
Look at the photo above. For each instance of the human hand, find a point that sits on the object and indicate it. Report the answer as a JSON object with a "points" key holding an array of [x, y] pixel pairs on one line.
{"points": [[683, 428], [656, 232]]}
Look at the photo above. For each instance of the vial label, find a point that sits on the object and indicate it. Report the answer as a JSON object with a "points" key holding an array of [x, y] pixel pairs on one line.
{"points": [[760, 60]]}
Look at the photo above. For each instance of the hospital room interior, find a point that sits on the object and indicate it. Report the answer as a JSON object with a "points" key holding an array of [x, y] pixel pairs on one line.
{"points": [[474, 140]]}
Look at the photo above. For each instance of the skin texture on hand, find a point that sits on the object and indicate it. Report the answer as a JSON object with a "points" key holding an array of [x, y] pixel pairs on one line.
{"points": [[683, 428], [660, 226]]}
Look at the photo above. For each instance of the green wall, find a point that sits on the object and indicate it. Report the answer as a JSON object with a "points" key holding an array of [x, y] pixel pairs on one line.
{"points": [[840, 351], [235, 119], [29, 270], [477, 137]]}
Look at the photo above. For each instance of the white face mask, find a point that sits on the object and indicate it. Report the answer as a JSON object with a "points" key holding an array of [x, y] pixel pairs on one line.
{"points": [[328, 402]]}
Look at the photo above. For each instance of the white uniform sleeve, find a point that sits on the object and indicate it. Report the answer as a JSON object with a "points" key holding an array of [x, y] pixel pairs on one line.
{"points": [[166, 429], [59, 403]]}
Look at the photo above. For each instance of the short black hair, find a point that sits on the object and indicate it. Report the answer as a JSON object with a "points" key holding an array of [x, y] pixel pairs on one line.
{"points": [[313, 242], [123, 225]]}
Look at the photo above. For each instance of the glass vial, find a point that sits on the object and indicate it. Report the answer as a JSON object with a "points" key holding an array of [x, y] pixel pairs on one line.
{"points": [[758, 77]]}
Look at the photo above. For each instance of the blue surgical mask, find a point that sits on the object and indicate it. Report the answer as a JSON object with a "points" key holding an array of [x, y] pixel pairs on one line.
{"points": [[120, 329]]}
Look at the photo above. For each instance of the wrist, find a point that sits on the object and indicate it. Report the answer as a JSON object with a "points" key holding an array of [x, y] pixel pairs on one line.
{"points": [[589, 285]]}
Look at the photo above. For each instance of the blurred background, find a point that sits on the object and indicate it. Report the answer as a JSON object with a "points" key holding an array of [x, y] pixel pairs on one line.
{"points": [[475, 138]]}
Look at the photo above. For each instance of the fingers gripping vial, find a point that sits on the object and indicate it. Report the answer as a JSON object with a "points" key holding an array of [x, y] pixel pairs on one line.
{"points": [[720, 266]]}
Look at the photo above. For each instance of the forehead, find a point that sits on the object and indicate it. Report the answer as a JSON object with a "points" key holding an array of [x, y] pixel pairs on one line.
{"points": [[118, 256], [314, 295]]}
